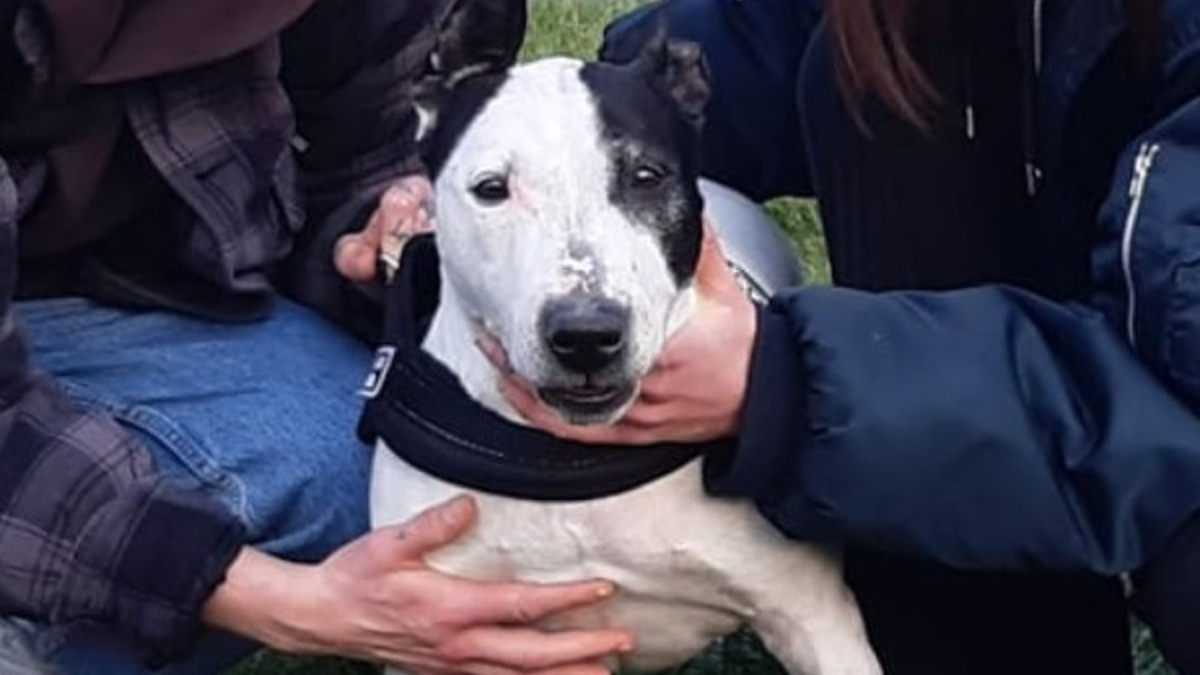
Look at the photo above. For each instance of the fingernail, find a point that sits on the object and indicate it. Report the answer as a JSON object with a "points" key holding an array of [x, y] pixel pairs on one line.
{"points": [[459, 507], [397, 196], [605, 591], [625, 647]]}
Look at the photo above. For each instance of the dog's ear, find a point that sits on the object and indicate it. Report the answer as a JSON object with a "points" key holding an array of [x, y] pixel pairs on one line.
{"points": [[681, 68], [478, 37], [674, 66], [475, 38]]}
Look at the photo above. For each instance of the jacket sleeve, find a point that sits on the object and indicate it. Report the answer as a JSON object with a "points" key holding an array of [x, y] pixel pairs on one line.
{"points": [[349, 68], [984, 428], [988, 427], [88, 531]]}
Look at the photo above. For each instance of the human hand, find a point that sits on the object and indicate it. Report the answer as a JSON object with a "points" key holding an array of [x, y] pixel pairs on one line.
{"points": [[376, 600], [695, 390], [403, 211]]}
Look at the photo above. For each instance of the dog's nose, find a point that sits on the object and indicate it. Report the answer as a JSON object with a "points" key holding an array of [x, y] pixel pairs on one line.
{"points": [[585, 333]]}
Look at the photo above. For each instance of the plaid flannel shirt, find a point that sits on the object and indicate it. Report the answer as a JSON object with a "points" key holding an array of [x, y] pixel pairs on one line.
{"points": [[88, 530]]}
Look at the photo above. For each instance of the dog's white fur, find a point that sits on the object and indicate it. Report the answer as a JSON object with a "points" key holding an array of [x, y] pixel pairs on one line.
{"points": [[558, 234], [689, 568]]}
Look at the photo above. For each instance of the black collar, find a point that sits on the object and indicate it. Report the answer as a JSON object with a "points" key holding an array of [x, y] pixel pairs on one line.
{"points": [[420, 410]]}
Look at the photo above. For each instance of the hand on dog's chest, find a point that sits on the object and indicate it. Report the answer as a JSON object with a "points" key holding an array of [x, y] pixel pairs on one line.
{"points": [[669, 595]]}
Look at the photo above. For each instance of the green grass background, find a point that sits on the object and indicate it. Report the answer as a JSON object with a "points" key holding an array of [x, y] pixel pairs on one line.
{"points": [[573, 27]]}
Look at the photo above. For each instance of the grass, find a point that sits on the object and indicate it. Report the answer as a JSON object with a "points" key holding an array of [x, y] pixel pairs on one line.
{"points": [[573, 27]]}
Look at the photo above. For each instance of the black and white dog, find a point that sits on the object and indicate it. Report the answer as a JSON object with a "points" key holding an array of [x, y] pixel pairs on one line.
{"points": [[569, 226]]}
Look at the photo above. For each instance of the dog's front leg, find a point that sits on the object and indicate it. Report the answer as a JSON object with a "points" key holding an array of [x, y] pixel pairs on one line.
{"points": [[808, 617]]}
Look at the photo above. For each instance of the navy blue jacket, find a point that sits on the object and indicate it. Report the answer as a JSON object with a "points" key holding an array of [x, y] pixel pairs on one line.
{"points": [[1025, 398]]}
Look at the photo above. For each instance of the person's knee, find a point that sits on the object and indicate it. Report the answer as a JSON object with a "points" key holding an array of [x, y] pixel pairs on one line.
{"points": [[1168, 599]]}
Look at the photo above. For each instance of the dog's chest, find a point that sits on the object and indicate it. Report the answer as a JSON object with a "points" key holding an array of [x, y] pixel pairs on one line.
{"points": [[661, 544]]}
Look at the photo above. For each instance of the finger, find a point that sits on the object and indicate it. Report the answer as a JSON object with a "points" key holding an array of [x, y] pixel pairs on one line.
{"points": [[354, 257], [524, 603], [525, 401], [398, 203], [422, 664], [354, 254], [651, 414], [424, 667], [570, 669], [576, 669], [495, 353], [421, 223], [528, 649], [419, 186], [433, 528], [403, 205], [658, 385]]}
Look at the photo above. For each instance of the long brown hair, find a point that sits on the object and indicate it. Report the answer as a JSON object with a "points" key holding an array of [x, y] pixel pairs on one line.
{"points": [[874, 43]]}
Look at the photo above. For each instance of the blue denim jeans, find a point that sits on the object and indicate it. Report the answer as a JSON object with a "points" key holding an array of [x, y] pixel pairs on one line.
{"points": [[260, 415]]}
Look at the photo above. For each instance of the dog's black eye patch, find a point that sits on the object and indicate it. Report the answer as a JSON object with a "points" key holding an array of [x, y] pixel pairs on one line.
{"points": [[491, 189], [654, 154]]}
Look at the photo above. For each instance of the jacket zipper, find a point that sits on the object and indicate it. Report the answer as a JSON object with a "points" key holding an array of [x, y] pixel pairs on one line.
{"points": [[1137, 189]]}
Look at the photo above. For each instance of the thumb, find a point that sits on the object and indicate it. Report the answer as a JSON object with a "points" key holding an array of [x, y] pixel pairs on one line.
{"points": [[713, 275], [434, 527]]}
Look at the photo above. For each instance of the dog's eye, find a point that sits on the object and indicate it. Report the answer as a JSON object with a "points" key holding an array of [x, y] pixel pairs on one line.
{"points": [[647, 176], [491, 189]]}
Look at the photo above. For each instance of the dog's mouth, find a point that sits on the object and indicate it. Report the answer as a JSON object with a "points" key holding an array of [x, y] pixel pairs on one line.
{"points": [[588, 403]]}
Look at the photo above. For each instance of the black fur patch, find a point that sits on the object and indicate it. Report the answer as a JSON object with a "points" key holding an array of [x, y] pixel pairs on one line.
{"points": [[644, 128], [454, 115]]}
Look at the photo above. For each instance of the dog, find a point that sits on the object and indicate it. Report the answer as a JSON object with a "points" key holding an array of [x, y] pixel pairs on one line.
{"points": [[569, 228]]}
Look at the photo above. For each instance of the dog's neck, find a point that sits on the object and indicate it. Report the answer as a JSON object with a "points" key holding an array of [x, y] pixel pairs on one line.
{"points": [[452, 341]]}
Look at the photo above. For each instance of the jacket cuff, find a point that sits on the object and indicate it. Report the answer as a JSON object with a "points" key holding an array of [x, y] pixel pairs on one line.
{"points": [[773, 422], [168, 562]]}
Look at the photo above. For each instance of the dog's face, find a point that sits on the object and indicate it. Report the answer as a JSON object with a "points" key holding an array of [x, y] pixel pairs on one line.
{"points": [[569, 220]]}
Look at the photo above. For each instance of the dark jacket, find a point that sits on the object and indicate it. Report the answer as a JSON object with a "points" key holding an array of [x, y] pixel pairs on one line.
{"points": [[1043, 417], [260, 147]]}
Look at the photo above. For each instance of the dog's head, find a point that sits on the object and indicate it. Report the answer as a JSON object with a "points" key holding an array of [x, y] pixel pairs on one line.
{"points": [[569, 218]]}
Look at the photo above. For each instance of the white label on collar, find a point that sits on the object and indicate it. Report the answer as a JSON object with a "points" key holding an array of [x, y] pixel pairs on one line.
{"points": [[380, 367]]}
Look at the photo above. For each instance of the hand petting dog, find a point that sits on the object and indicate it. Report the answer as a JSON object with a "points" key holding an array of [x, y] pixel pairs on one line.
{"points": [[393, 609], [402, 213], [695, 390]]}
